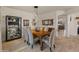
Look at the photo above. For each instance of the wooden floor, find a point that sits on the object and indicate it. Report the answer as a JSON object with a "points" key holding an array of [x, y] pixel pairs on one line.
{"points": [[62, 45]]}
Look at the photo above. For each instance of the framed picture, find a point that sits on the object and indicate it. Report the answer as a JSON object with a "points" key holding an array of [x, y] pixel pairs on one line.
{"points": [[25, 22], [47, 22], [60, 22], [50, 21], [61, 27], [78, 22], [77, 17]]}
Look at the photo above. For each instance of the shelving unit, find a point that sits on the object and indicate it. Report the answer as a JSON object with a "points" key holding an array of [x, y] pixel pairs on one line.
{"points": [[13, 27]]}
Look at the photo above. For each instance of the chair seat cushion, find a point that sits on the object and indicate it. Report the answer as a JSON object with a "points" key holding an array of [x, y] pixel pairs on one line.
{"points": [[46, 40], [36, 39]]}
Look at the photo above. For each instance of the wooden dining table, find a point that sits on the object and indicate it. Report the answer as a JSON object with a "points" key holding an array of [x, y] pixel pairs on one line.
{"points": [[40, 34]]}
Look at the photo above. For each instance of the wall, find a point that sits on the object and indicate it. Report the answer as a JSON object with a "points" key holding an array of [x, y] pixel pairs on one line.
{"points": [[48, 15], [0, 38], [0, 32], [72, 25], [54, 15], [14, 12], [51, 15]]}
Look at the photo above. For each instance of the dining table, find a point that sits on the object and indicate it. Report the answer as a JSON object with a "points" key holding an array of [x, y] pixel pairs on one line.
{"points": [[40, 34]]}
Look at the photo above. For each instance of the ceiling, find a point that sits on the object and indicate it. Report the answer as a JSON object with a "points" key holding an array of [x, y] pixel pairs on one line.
{"points": [[43, 9]]}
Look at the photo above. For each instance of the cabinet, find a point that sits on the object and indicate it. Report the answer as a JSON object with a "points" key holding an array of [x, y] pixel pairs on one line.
{"points": [[13, 27]]}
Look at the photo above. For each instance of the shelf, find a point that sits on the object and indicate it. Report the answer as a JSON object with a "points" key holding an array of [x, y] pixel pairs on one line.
{"points": [[13, 28]]}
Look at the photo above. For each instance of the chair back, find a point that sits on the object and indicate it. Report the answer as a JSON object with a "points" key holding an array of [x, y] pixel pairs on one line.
{"points": [[43, 28], [51, 38], [30, 36], [25, 34], [49, 29], [46, 29]]}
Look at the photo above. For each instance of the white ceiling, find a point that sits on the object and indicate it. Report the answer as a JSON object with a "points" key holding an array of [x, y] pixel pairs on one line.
{"points": [[43, 9]]}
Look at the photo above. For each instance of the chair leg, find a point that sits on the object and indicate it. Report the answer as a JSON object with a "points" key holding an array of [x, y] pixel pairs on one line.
{"points": [[54, 46], [50, 49], [24, 40], [42, 47], [28, 43], [32, 46]]}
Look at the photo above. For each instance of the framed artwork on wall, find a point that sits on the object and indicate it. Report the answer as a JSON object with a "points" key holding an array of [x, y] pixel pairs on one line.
{"points": [[77, 17], [47, 22], [25, 22], [50, 21], [78, 22], [60, 22]]}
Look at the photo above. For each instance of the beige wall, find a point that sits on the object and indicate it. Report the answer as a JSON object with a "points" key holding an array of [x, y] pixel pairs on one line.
{"points": [[0, 39], [72, 25], [0, 32], [13, 12], [54, 15]]}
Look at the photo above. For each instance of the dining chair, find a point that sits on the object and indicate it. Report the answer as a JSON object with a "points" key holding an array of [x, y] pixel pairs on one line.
{"points": [[25, 35], [50, 29], [49, 40], [43, 28], [46, 29], [32, 39]]}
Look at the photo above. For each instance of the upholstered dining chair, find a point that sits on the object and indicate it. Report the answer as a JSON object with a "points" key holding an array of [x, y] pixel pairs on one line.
{"points": [[43, 28], [49, 40], [50, 29], [25, 35], [31, 38], [46, 29]]}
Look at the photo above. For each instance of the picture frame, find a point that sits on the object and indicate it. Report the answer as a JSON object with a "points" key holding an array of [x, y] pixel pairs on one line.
{"points": [[47, 22], [60, 22], [77, 17], [25, 22], [78, 22], [50, 21]]}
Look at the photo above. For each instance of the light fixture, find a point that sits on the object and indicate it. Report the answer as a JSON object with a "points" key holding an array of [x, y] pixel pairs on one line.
{"points": [[36, 17], [35, 6], [36, 11]]}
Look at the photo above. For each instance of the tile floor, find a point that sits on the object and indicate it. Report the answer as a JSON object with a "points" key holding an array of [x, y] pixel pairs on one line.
{"points": [[62, 45]]}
